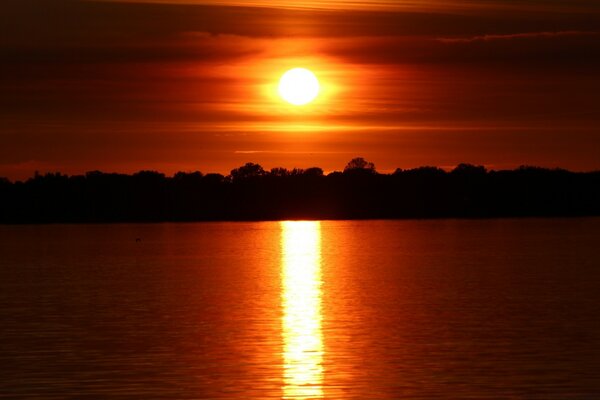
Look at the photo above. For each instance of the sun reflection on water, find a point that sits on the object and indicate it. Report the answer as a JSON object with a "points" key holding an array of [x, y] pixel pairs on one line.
{"points": [[301, 299]]}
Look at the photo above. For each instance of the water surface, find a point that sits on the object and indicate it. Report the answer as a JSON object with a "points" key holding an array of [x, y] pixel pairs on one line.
{"points": [[332, 309]]}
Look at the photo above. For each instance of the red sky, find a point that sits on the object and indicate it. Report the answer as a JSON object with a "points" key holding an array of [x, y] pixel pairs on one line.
{"points": [[189, 85]]}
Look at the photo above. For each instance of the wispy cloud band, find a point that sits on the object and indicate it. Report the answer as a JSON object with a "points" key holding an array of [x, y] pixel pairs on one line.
{"points": [[512, 36]]}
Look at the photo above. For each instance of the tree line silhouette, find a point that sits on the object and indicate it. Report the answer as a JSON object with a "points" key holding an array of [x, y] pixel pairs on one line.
{"points": [[252, 193]]}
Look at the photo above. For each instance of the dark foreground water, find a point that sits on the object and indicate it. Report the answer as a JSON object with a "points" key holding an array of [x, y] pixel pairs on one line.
{"points": [[336, 309]]}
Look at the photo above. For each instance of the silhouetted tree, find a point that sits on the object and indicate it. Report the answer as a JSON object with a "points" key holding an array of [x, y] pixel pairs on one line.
{"points": [[213, 178], [188, 176], [422, 171], [249, 170], [313, 171], [279, 172], [359, 163], [469, 169]]}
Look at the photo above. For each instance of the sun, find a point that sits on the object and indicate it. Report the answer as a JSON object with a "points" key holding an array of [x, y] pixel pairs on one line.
{"points": [[299, 86]]}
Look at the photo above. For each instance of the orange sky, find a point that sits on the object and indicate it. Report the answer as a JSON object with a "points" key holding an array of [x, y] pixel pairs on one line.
{"points": [[116, 86]]}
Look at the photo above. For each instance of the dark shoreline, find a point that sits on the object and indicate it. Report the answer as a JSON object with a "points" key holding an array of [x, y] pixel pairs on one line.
{"points": [[209, 221], [251, 194]]}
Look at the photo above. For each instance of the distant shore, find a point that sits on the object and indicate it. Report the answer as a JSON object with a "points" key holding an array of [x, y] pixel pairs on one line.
{"points": [[251, 193]]}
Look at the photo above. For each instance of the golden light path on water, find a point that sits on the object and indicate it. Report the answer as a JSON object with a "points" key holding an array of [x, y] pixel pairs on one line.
{"points": [[301, 300]]}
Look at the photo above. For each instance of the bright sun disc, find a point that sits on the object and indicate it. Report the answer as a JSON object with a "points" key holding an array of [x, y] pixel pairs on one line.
{"points": [[298, 86]]}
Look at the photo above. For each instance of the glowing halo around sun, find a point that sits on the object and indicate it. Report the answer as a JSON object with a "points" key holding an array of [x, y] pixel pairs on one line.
{"points": [[299, 86]]}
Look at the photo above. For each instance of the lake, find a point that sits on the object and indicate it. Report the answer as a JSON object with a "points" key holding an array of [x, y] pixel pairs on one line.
{"points": [[332, 309]]}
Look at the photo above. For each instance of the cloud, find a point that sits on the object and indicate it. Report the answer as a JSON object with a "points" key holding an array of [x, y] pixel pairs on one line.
{"points": [[552, 50], [393, 5], [513, 36], [38, 23]]}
